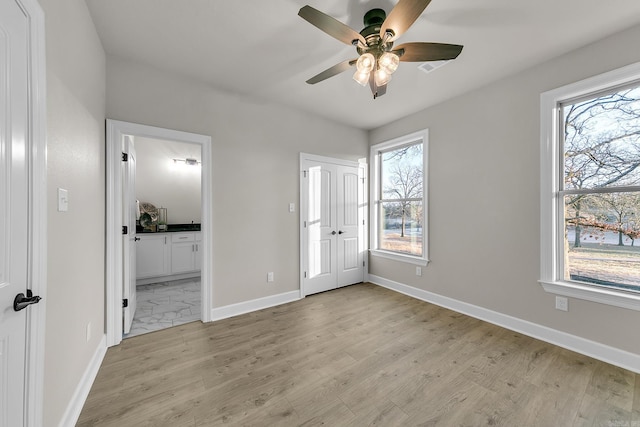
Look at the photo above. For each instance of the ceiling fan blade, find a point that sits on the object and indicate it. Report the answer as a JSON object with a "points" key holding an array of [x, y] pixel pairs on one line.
{"points": [[330, 72], [330, 25], [402, 16], [423, 52]]}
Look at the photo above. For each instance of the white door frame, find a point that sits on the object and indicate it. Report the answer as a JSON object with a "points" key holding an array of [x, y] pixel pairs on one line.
{"points": [[36, 146], [302, 203], [114, 268]]}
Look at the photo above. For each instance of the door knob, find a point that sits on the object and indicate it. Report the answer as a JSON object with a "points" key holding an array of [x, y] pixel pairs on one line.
{"points": [[333, 233], [21, 302], [341, 232]]}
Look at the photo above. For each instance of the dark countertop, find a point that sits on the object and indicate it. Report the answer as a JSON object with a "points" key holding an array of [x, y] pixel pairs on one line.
{"points": [[171, 228]]}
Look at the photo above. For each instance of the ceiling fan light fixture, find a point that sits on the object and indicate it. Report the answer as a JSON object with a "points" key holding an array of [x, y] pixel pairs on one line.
{"points": [[365, 63], [389, 62], [362, 77], [381, 77], [375, 43]]}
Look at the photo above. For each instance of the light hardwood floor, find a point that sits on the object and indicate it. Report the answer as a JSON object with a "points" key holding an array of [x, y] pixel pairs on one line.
{"points": [[357, 356]]}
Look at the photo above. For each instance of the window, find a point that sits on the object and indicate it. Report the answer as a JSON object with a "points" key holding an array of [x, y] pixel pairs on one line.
{"points": [[399, 227], [590, 189]]}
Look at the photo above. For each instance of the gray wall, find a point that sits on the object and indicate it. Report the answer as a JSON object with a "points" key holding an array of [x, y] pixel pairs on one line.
{"points": [[484, 197], [255, 146], [163, 183], [75, 161], [483, 179]]}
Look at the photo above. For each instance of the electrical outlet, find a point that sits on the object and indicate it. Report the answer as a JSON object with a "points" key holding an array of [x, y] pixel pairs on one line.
{"points": [[562, 303], [418, 271], [270, 276], [88, 331]]}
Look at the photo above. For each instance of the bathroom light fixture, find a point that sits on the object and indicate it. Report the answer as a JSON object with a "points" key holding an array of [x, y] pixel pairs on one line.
{"points": [[188, 161]]}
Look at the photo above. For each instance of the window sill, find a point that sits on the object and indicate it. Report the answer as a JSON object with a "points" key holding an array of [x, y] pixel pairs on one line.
{"points": [[399, 257], [599, 295]]}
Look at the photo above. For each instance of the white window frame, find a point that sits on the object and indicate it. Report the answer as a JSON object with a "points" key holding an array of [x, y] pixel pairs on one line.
{"points": [[551, 227], [421, 136]]}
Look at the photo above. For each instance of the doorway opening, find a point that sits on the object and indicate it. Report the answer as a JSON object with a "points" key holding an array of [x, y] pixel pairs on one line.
{"points": [[168, 186], [190, 235]]}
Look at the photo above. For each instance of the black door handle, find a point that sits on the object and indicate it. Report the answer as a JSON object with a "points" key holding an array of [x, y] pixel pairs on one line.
{"points": [[341, 232], [21, 302], [135, 239]]}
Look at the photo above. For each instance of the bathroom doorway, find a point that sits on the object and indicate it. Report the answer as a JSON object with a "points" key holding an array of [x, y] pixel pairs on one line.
{"points": [[182, 264], [168, 186]]}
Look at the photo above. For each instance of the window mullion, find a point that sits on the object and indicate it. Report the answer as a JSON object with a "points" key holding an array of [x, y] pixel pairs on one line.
{"points": [[402, 200], [600, 190]]}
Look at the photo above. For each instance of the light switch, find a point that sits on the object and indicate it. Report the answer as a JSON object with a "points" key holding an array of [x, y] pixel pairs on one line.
{"points": [[63, 200], [292, 207]]}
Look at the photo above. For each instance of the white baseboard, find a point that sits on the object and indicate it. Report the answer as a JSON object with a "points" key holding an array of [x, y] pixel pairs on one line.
{"points": [[81, 393], [605, 353], [226, 311]]}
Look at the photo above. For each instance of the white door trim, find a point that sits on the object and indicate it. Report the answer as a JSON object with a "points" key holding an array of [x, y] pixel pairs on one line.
{"points": [[115, 131], [37, 263], [305, 158]]}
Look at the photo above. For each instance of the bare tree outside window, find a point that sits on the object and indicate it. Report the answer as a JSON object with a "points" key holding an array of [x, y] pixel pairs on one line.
{"points": [[401, 201], [601, 189]]}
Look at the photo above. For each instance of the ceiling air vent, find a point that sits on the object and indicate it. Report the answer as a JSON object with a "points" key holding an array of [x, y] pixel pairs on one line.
{"points": [[428, 67]]}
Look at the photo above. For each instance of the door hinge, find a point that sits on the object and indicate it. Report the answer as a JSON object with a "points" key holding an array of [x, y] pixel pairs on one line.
{"points": [[125, 229], [305, 173], [125, 303], [305, 274], [125, 157], [363, 222], [363, 264], [305, 224]]}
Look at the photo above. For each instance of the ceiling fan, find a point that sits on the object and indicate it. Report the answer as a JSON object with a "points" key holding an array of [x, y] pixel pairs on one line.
{"points": [[378, 57]]}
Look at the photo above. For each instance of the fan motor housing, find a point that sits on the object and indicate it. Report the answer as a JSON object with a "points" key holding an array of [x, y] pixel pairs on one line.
{"points": [[373, 20], [374, 16]]}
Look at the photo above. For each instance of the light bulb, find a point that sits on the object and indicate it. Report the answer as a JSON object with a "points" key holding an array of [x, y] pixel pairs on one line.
{"points": [[389, 61], [362, 77], [365, 63], [381, 77]]}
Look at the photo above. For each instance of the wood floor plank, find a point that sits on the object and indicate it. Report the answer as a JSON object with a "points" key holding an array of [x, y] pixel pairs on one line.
{"points": [[382, 413], [360, 355]]}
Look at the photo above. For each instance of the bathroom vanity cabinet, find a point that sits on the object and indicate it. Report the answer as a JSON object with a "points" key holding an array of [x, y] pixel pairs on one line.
{"points": [[164, 256]]}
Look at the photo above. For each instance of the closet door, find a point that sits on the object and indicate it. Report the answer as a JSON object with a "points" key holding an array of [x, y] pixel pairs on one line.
{"points": [[349, 255], [331, 232], [321, 272]]}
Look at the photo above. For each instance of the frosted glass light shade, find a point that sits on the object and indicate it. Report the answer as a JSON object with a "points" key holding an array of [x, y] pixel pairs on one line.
{"points": [[365, 63], [389, 61], [381, 77], [362, 77]]}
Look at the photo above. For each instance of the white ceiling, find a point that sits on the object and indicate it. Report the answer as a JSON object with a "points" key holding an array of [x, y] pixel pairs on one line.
{"points": [[265, 50]]}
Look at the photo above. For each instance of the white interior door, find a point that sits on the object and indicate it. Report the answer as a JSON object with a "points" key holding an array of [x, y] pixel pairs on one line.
{"points": [[320, 222], [14, 191], [332, 224], [349, 192], [129, 216]]}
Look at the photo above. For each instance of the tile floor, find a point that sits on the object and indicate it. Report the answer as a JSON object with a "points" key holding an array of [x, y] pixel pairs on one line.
{"points": [[166, 304]]}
